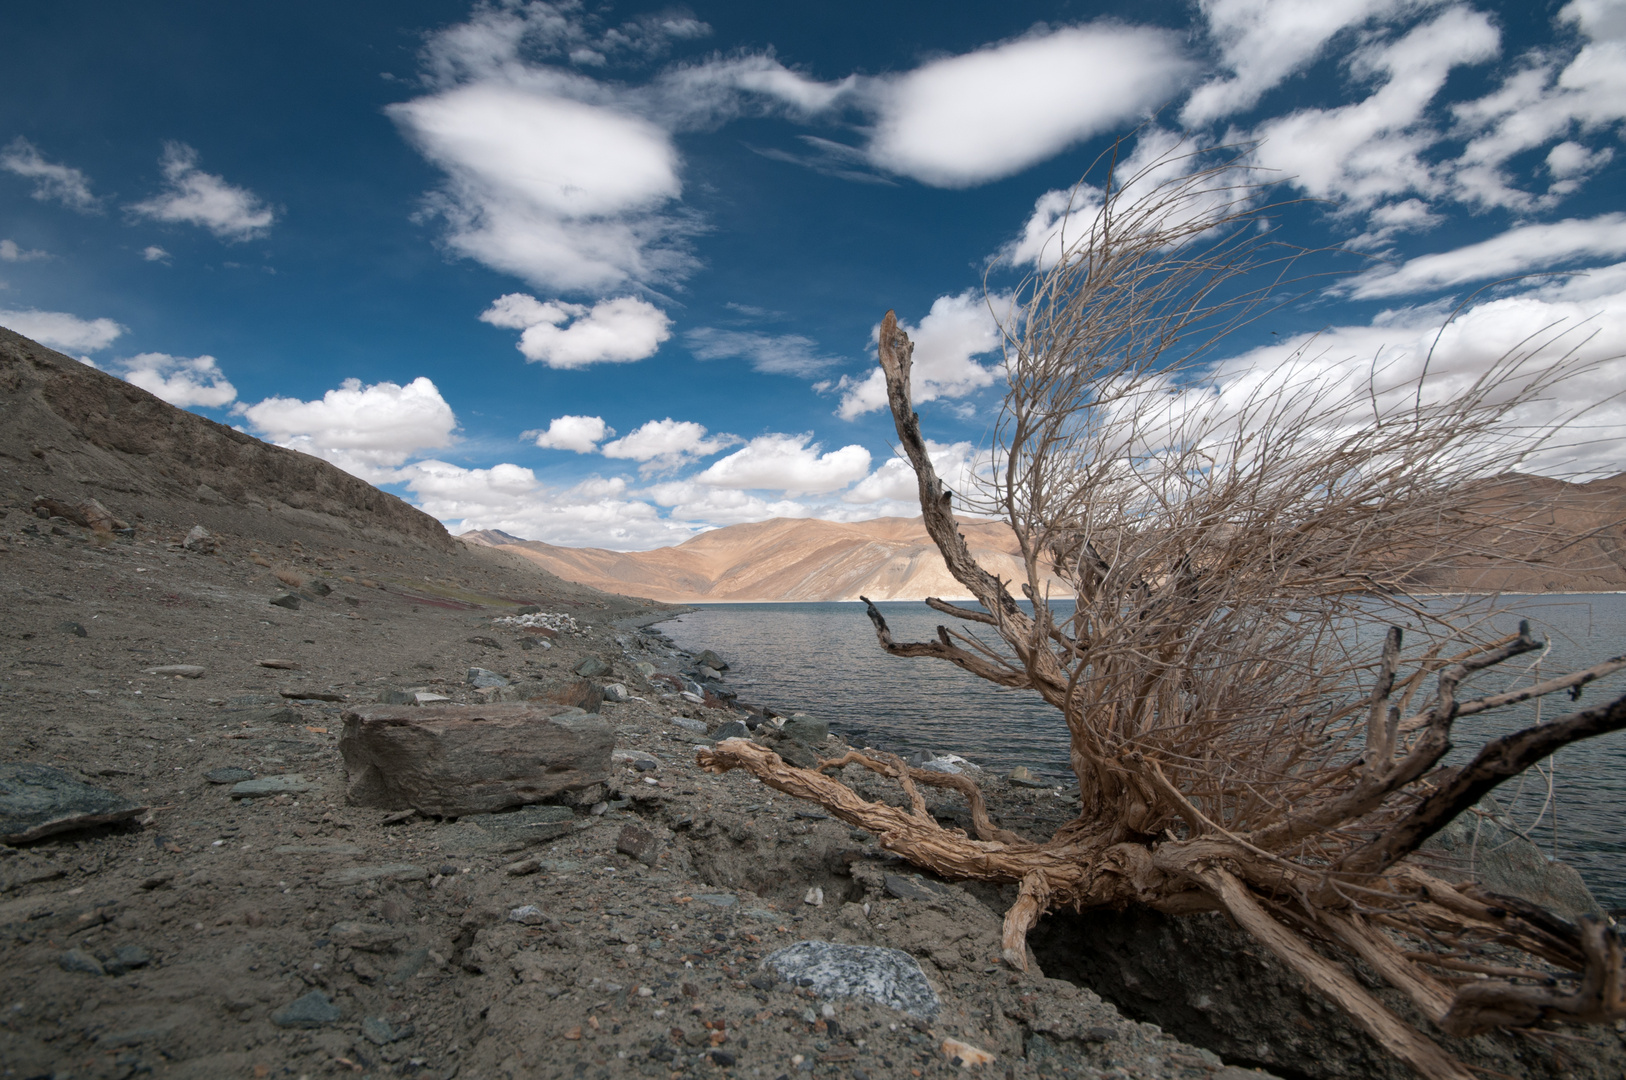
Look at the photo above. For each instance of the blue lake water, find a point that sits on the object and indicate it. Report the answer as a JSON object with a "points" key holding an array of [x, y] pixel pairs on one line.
{"points": [[823, 659]]}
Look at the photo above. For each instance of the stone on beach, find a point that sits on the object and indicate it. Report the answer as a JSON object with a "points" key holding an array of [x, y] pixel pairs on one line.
{"points": [[888, 977], [313, 1010], [38, 800], [269, 786], [452, 760], [711, 660], [185, 671], [592, 668]]}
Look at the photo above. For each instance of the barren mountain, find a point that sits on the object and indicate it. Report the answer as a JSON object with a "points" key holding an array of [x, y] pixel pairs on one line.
{"points": [[1543, 535], [784, 559]]}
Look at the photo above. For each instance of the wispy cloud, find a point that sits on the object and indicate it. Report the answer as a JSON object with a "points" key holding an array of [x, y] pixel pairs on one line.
{"points": [[194, 197], [53, 182], [777, 354], [1520, 250]]}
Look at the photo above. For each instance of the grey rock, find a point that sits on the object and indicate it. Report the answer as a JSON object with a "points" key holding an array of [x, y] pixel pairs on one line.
{"points": [[723, 900], [886, 977], [529, 915], [452, 760], [952, 765], [527, 609], [200, 541], [806, 730], [710, 674], [126, 958], [912, 888], [592, 668], [509, 831], [73, 628], [734, 729], [267, 786], [253, 701], [485, 642], [228, 774], [637, 842], [314, 1010], [397, 697], [362, 875], [368, 937], [1022, 776], [1504, 862], [480, 677], [617, 692], [690, 724], [80, 961], [38, 800], [711, 660], [792, 751], [286, 600], [637, 759], [319, 587], [185, 671]]}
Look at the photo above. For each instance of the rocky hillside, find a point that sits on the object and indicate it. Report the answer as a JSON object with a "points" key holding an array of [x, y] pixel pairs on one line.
{"points": [[72, 432], [784, 559]]}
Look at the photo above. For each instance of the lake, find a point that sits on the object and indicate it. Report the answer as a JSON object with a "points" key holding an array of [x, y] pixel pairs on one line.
{"points": [[823, 659]]}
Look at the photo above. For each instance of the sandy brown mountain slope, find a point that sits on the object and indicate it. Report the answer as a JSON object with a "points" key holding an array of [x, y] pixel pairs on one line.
{"points": [[1544, 536], [783, 559]]}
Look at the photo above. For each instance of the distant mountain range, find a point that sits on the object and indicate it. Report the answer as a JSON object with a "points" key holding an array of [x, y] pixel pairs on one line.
{"points": [[783, 559], [805, 559]]}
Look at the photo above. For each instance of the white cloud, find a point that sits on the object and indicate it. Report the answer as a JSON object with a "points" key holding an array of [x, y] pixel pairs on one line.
{"points": [[1372, 150], [775, 354], [1262, 42], [10, 252], [695, 502], [1520, 250], [579, 433], [194, 197], [362, 429], [666, 444], [611, 331], [154, 253], [987, 114], [956, 331], [67, 185], [895, 481], [1543, 100], [788, 463], [59, 330], [181, 381], [568, 194], [509, 497]]}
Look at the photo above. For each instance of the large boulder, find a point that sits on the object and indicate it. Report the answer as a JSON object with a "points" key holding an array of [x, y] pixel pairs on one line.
{"points": [[452, 760], [1474, 848]]}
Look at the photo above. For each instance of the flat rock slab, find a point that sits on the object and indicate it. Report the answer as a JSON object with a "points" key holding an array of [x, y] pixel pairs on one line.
{"points": [[913, 888], [267, 786], [505, 832], [37, 800], [185, 671], [455, 760], [229, 774], [887, 977], [362, 875]]}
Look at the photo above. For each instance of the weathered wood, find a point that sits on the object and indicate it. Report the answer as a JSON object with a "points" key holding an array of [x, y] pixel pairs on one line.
{"points": [[452, 760]]}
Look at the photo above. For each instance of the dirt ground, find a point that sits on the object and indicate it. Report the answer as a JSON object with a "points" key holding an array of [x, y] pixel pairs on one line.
{"points": [[218, 913]]}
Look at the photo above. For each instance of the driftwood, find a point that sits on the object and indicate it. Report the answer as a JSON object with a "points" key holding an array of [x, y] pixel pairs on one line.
{"points": [[1234, 750]]}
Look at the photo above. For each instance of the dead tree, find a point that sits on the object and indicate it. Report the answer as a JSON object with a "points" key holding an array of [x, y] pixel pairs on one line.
{"points": [[1236, 747]]}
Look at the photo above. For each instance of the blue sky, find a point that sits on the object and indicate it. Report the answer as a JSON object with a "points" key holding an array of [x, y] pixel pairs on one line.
{"points": [[610, 275]]}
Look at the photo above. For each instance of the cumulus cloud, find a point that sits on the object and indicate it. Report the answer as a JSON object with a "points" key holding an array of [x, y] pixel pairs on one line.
{"points": [[194, 197], [791, 464], [987, 114], [579, 433], [52, 181], [1520, 250], [775, 354], [565, 193], [11, 252], [593, 513], [948, 340], [154, 253], [364, 430], [566, 336], [1372, 150], [895, 482], [667, 444], [696, 502], [181, 381], [59, 330], [1262, 42]]}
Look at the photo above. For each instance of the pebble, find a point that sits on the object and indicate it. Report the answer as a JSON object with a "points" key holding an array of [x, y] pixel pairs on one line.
{"points": [[1022, 776], [228, 774], [638, 759], [127, 958], [424, 697], [267, 786], [313, 1010], [480, 678], [690, 724], [528, 915], [286, 600], [76, 629], [185, 671], [280, 665], [379, 1031]]}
